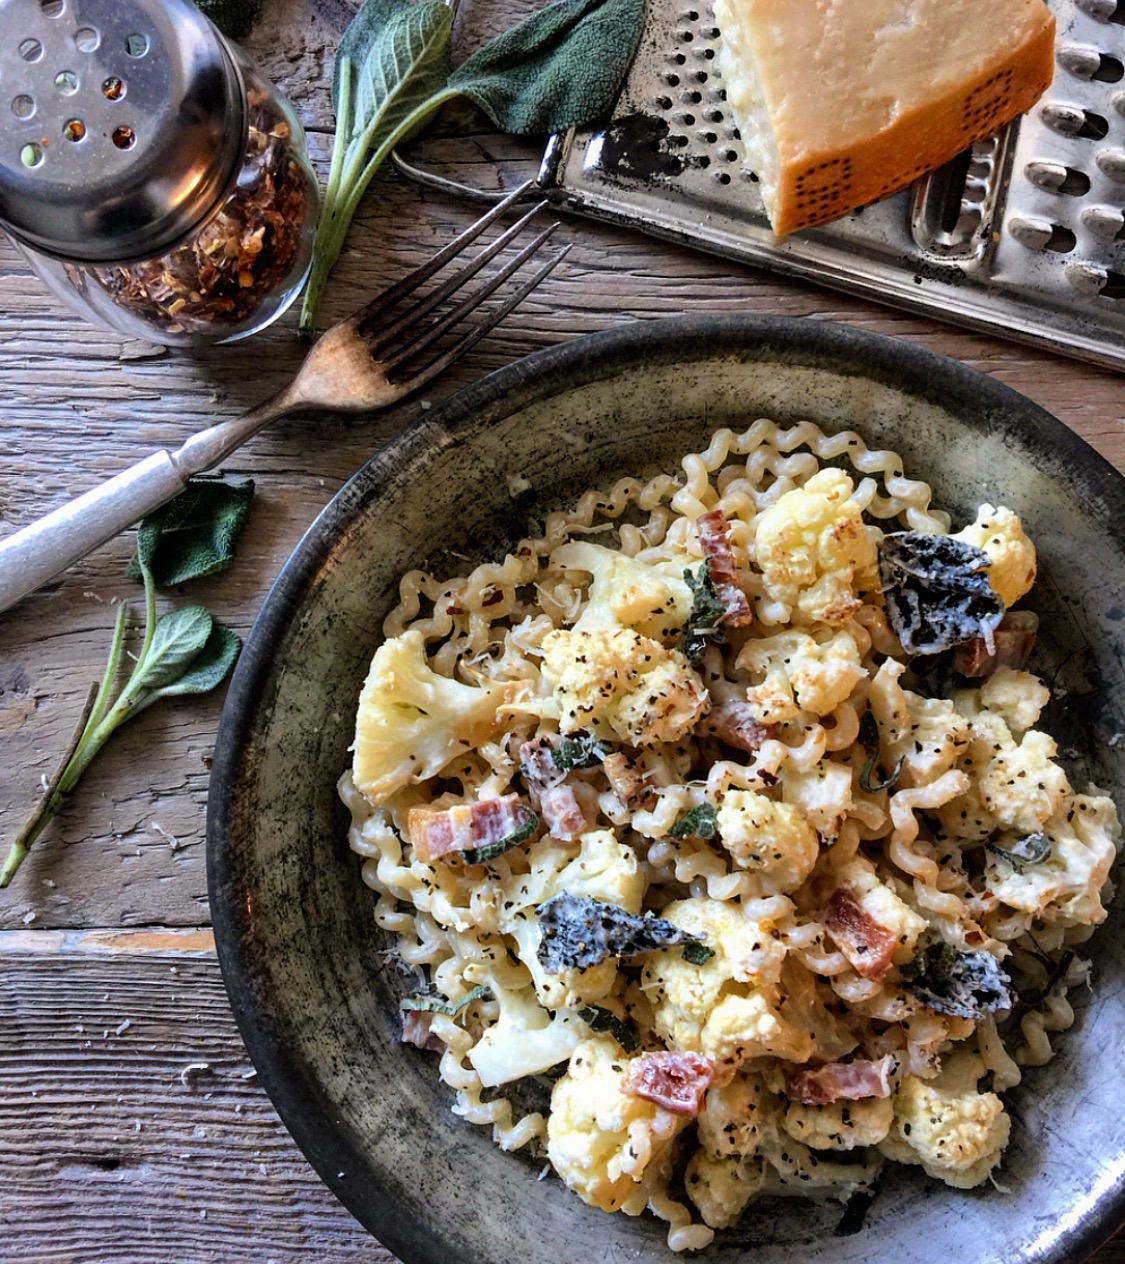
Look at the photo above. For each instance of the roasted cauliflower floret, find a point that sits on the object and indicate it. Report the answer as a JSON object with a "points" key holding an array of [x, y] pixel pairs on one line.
{"points": [[1000, 534], [526, 1039], [957, 1134], [737, 1117], [726, 1007], [823, 793], [840, 1125], [1065, 888], [795, 672], [1014, 786], [652, 599], [774, 841], [413, 721], [622, 685], [927, 734], [607, 1145], [722, 1189], [814, 551], [1017, 696]]}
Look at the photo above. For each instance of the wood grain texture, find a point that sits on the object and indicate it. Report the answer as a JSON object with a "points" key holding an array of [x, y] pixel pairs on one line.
{"points": [[114, 1148], [133, 1125]]}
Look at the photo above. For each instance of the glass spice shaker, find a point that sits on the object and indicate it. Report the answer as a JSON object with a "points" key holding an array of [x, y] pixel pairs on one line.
{"points": [[150, 175]]}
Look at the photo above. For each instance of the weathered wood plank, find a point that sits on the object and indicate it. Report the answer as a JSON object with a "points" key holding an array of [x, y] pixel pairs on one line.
{"points": [[131, 1126]]}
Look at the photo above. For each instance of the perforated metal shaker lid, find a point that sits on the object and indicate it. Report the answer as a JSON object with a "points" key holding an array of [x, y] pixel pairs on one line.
{"points": [[121, 123]]}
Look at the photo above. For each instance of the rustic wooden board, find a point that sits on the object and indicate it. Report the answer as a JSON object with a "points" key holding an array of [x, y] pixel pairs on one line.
{"points": [[114, 1149], [134, 1127]]}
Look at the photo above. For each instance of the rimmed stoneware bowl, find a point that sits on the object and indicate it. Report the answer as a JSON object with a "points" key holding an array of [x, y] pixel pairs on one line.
{"points": [[303, 960]]}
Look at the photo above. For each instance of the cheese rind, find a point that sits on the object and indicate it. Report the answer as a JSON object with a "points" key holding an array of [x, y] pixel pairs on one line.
{"points": [[840, 102]]}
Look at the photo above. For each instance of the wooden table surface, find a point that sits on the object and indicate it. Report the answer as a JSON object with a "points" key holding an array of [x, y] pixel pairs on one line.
{"points": [[131, 1124]]}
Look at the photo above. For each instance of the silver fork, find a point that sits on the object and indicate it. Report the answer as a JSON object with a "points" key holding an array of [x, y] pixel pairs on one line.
{"points": [[367, 362]]}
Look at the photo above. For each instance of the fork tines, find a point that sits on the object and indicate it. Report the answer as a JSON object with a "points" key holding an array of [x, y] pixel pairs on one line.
{"points": [[396, 338]]}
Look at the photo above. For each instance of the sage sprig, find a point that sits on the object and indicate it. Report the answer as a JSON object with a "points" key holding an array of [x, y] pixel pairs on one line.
{"points": [[559, 68], [185, 651]]}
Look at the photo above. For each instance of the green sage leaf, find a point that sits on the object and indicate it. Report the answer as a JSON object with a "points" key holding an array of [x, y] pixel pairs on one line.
{"points": [[390, 77], [400, 52], [194, 534], [559, 68], [208, 668], [179, 638]]}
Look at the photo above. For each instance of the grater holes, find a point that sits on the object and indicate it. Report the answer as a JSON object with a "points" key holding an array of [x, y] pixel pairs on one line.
{"points": [[74, 130], [1111, 163], [1104, 10], [32, 155], [1074, 122], [52, 8], [1090, 64], [1105, 222], [124, 137], [113, 89], [23, 106], [31, 50], [86, 39], [1042, 235], [136, 44], [66, 81], [1053, 177], [1094, 282], [1110, 69]]}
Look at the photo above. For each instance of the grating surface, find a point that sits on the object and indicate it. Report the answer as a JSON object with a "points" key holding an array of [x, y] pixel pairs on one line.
{"points": [[1023, 235]]}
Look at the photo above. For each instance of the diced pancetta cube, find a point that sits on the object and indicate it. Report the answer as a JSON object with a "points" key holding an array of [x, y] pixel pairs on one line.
{"points": [[674, 1079], [868, 946]]}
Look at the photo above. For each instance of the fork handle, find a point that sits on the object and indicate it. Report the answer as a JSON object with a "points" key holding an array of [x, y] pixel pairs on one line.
{"points": [[39, 551], [44, 548]]}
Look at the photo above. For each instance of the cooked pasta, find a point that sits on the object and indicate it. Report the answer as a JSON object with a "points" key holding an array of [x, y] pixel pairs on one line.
{"points": [[719, 809]]}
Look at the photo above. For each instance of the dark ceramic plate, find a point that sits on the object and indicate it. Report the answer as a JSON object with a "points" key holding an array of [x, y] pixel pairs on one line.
{"points": [[298, 944]]}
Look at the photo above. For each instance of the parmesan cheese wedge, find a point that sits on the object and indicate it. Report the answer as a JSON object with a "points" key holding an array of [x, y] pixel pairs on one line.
{"points": [[841, 102]]}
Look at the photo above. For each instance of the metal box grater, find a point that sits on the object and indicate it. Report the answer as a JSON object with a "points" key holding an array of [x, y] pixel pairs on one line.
{"points": [[1023, 235]]}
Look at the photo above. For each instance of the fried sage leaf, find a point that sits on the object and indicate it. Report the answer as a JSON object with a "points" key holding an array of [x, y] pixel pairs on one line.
{"points": [[964, 984], [937, 591], [869, 740], [584, 751], [698, 822], [578, 932], [601, 1020], [436, 1005], [705, 623]]}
